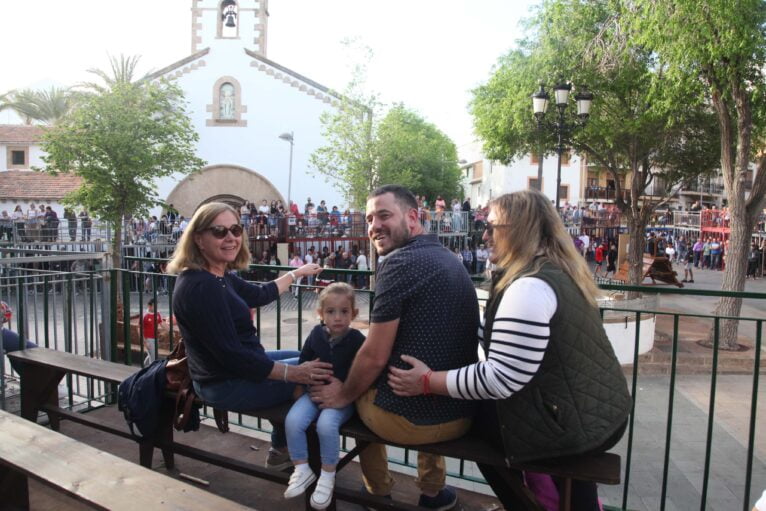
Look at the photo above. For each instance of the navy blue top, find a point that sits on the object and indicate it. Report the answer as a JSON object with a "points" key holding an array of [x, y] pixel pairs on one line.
{"points": [[340, 353], [425, 287], [213, 314]]}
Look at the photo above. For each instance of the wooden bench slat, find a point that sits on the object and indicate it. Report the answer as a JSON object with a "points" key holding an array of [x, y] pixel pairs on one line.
{"points": [[76, 364], [94, 476]]}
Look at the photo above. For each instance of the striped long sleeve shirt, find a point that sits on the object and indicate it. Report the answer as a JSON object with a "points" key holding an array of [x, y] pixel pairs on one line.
{"points": [[519, 339]]}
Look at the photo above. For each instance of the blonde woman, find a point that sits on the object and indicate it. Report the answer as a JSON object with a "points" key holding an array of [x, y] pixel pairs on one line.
{"points": [[551, 382], [228, 365]]}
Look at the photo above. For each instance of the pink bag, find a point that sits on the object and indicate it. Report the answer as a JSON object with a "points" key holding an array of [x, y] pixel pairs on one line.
{"points": [[545, 491]]}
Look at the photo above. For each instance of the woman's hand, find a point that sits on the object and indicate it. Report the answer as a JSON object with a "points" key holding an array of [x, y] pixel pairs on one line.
{"points": [[308, 269], [407, 382], [311, 372]]}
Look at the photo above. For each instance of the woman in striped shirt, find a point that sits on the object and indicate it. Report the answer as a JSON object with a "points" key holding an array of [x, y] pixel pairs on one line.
{"points": [[551, 382]]}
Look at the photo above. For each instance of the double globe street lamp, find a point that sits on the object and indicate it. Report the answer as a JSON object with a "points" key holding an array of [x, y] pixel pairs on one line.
{"points": [[560, 126]]}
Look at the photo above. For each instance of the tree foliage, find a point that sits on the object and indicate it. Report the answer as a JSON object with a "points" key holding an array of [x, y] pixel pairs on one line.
{"points": [[366, 149], [637, 131], [717, 48], [414, 153], [120, 142], [45, 106]]}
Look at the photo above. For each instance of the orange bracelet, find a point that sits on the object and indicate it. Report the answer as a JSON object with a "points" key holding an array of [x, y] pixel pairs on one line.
{"points": [[427, 383]]}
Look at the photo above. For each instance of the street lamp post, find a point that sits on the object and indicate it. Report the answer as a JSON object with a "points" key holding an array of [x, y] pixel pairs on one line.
{"points": [[539, 106], [561, 127], [289, 138]]}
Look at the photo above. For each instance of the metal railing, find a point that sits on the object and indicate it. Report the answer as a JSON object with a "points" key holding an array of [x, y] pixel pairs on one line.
{"points": [[666, 439]]}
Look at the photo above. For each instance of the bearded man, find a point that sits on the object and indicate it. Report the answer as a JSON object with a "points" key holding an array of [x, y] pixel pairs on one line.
{"points": [[425, 303]]}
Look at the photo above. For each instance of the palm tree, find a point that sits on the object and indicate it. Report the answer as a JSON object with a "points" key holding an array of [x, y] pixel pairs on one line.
{"points": [[123, 70], [45, 106]]}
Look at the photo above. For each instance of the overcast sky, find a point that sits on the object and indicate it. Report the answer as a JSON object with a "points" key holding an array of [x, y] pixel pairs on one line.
{"points": [[427, 53]]}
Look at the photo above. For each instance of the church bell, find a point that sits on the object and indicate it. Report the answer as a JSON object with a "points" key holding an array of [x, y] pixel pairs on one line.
{"points": [[230, 19]]}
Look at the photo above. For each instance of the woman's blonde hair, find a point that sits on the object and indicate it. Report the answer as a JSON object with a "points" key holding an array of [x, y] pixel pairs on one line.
{"points": [[337, 288], [532, 229], [187, 255]]}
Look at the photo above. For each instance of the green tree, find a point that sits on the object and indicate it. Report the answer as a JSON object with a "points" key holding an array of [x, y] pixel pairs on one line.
{"points": [[348, 158], [45, 106], [120, 142], [366, 149], [636, 132], [718, 48], [122, 70], [414, 153]]}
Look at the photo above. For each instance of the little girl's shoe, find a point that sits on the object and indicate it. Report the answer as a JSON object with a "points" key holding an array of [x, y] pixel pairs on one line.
{"points": [[322, 495], [300, 480]]}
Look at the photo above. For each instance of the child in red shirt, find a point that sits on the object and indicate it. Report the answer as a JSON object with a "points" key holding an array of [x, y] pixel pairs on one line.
{"points": [[599, 258], [150, 335]]}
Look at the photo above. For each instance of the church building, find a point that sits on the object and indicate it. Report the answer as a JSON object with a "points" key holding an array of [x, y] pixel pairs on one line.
{"points": [[258, 121]]}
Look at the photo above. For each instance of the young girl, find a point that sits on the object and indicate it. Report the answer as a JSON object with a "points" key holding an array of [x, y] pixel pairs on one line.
{"points": [[333, 340]]}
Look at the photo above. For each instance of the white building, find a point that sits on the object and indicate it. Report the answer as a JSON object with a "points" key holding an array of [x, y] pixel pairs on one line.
{"points": [[487, 179], [240, 102]]}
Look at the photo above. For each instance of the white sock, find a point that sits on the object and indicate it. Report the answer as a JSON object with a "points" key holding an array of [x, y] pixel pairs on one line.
{"points": [[327, 475], [303, 467]]}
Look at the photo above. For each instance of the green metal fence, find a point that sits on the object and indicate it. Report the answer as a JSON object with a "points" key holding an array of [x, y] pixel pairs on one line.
{"points": [[77, 312]]}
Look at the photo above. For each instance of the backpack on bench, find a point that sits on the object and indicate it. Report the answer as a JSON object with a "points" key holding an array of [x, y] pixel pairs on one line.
{"points": [[141, 396]]}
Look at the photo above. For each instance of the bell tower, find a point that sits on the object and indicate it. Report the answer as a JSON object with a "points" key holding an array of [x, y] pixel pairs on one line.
{"points": [[216, 22]]}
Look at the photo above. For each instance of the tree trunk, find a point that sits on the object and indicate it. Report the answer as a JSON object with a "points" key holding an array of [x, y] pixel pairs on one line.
{"points": [[734, 275], [635, 253], [117, 260]]}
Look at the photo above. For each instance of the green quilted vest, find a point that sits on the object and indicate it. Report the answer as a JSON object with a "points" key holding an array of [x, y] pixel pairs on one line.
{"points": [[578, 399]]}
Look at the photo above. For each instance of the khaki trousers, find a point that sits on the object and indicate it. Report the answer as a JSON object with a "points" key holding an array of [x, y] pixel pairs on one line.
{"points": [[395, 428]]}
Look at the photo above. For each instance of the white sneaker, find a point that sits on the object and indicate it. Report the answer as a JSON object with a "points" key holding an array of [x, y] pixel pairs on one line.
{"points": [[322, 496], [299, 481]]}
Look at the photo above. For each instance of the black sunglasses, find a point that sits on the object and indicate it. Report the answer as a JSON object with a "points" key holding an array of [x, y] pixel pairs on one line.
{"points": [[220, 232], [490, 228]]}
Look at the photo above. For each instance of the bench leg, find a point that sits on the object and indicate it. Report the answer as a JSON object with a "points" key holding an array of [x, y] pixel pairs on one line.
{"points": [[39, 386], [164, 440], [14, 488], [565, 496]]}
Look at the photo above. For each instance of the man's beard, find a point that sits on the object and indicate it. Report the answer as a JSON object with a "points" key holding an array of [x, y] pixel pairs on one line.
{"points": [[396, 238]]}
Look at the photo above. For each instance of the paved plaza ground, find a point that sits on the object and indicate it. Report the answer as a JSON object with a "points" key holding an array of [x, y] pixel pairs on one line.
{"points": [[691, 401]]}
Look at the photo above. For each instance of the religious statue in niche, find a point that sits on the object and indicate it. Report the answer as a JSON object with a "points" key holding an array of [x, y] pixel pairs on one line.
{"points": [[227, 101]]}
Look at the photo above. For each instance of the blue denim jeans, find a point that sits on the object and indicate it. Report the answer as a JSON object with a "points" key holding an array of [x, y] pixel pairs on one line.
{"points": [[240, 395], [329, 421]]}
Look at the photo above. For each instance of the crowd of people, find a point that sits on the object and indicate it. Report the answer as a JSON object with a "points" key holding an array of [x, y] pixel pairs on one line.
{"points": [[41, 223], [704, 252]]}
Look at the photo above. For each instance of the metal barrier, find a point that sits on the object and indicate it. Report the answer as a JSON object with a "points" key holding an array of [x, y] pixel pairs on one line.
{"points": [[48, 309]]}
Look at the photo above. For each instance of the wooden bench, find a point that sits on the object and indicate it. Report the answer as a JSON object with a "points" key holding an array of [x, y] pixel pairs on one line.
{"points": [[92, 476], [42, 369]]}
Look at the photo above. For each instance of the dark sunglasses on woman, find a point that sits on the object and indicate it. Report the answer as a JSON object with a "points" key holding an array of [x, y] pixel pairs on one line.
{"points": [[220, 232]]}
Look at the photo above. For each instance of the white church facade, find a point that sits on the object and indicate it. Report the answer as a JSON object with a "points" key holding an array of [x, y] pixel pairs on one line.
{"points": [[240, 102]]}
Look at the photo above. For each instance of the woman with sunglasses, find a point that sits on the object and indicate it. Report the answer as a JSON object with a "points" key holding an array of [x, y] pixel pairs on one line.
{"points": [[551, 385], [228, 364]]}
